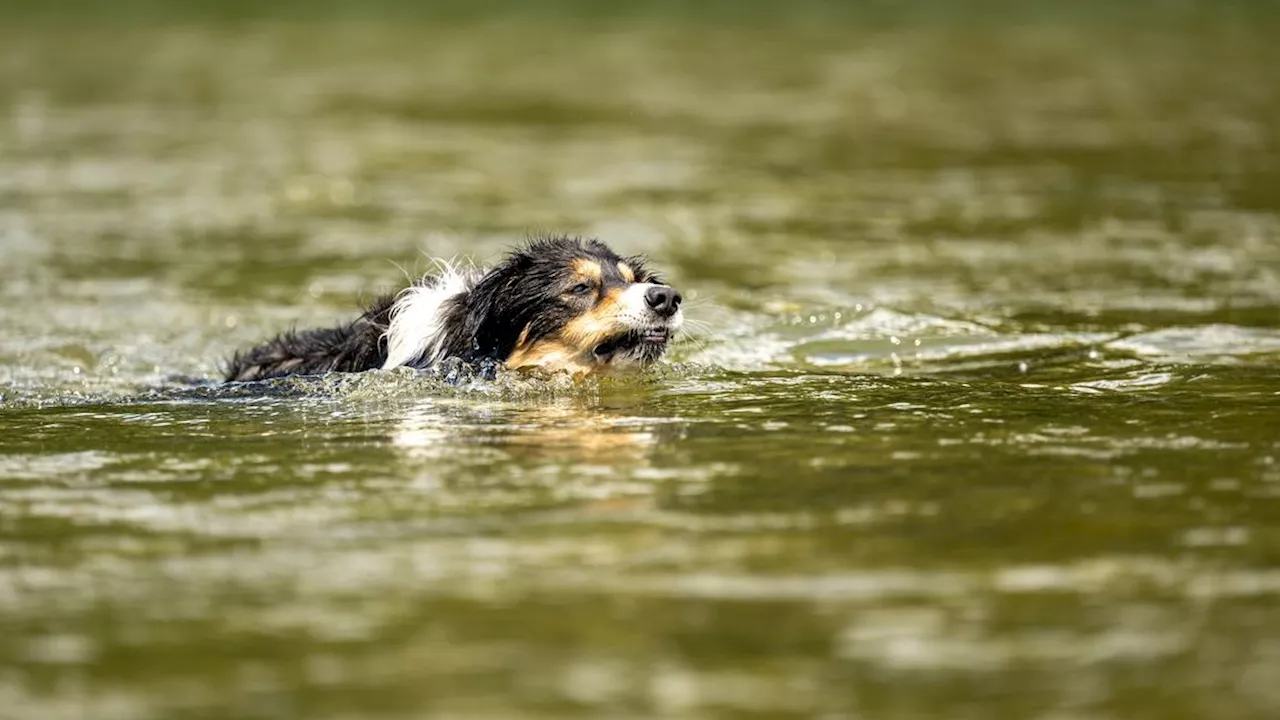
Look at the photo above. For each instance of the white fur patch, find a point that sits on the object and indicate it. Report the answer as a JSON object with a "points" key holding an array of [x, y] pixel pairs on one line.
{"points": [[417, 320], [634, 310]]}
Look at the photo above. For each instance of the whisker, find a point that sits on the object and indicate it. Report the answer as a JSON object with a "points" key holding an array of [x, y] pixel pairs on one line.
{"points": [[703, 337], [697, 343], [702, 327], [697, 340]]}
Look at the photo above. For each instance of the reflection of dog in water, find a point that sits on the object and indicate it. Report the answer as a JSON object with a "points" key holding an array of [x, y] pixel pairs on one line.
{"points": [[556, 303], [594, 459], [559, 430]]}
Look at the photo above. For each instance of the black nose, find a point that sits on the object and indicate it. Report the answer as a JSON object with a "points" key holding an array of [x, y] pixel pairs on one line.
{"points": [[663, 300]]}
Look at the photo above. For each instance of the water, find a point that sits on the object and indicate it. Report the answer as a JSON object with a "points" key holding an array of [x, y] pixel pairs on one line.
{"points": [[981, 423]]}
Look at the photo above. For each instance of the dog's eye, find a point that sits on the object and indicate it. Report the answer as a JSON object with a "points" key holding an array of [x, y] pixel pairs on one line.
{"points": [[580, 289]]}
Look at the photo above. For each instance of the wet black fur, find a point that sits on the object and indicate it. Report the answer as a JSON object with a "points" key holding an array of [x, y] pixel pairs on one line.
{"points": [[529, 288], [357, 345]]}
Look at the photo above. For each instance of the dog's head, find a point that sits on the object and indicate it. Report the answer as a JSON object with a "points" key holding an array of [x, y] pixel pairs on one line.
{"points": [[569, 304]]}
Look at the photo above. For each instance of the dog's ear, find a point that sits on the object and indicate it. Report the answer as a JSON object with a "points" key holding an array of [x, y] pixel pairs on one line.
{"points": [[495, 312]]}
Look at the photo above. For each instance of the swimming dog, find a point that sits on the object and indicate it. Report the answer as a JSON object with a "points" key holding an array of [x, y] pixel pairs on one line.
{"points": [[555, 303]]}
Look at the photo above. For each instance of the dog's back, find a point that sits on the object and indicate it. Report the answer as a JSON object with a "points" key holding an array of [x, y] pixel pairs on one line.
{"points": [[353, 347]]}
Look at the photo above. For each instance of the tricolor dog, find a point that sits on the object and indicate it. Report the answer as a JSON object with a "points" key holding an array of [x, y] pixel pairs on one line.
{"points": [[556, 304]]}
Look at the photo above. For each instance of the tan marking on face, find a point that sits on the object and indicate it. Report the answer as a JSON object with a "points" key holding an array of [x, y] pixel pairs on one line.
{"points": [[553, 355], [571, 348], [588, 269], [524, 338], [523, 350], [627, 273], [596, 325]]}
